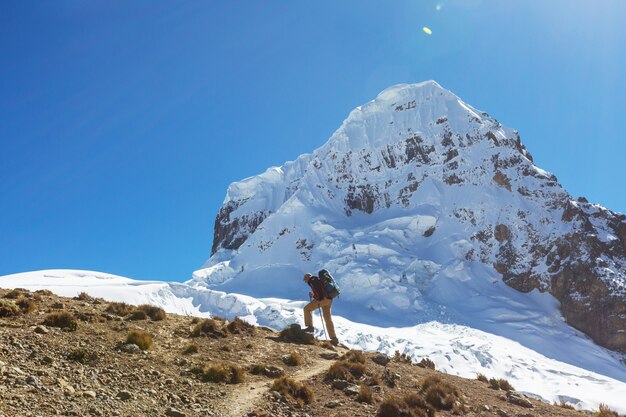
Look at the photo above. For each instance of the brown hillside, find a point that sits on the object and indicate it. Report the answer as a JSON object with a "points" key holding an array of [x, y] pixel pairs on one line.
{"points": [[95, 358]]}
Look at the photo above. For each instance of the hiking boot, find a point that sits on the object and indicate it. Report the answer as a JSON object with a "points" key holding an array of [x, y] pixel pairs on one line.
{"points": [[334, 341], [309, 329]]}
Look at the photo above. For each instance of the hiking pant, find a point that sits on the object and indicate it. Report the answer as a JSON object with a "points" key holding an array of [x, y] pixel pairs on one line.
{"points": [[325, 305]]}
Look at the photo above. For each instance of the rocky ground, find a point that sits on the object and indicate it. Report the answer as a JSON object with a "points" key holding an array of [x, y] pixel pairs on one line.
{"points": [[89, 366]]}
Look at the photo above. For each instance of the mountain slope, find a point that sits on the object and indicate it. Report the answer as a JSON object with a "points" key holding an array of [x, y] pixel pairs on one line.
{"points": [[417, 201], [556, 372], [93, 370]]}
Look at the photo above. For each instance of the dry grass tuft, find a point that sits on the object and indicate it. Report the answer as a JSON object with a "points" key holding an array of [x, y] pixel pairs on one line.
{"points": [[482, 378], [401, 357], [293, 389], [191, 348], [26, 305], [138, 315], [293, 359], [365, 395], [354, 356], [439, 393], [230, 374], [16, 293], [140, 338], [208, 328], [83, 296], [84, 356], [426, 363], [564, 405], [605, 411], [258, 369], [119, 309], [502, 384], [348, 371], [326, 345], [430, 381], [411, 405], [44, 292], [61, 319], [19, 305], [8, 308], [155, 313], [238, 326]]}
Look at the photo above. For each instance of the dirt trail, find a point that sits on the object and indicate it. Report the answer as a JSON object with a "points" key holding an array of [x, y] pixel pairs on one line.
{"points": [[242, 400]]}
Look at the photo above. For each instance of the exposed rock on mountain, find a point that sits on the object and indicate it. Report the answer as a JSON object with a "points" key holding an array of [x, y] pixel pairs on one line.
{"points": [[415, 192]]}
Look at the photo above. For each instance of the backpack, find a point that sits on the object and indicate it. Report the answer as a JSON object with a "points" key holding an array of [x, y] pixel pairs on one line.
{"points": [[331, 287]]}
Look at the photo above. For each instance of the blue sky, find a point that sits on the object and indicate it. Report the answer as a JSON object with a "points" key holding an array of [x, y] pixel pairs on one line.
{"points": [[122, 123]]}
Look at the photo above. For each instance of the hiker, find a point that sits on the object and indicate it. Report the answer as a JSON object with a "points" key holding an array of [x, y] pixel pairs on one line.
{"points": [[319, 299]]}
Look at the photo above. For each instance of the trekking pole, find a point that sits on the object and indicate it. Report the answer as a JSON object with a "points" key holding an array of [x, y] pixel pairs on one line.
{"points": [[319, 308]]}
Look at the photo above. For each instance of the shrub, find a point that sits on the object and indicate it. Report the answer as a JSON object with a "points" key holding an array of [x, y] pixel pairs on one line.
{"points": [[411, 405], [61, 319], [238, 326], [293, 389], [258, 369], [401, 357], [44, 292], [605, 411], [229, 374], [293, 359], [372, 380], [326, 345], [140, 338], [26, 305], [8, 308], [196, 320], [119, 309], [392, 407], [208, 328], [482, 378], [438, 393], [365, 395], [414, 400], [83, 356], [565, 405], [442, 396], [390, 378], [295, 334], [83, 296], [16, 293], [345, 370], [426, 363], [17, 301], [190, 348], [502, 384], [138, 315], [430, 381], [155, 313], [354, 356]]}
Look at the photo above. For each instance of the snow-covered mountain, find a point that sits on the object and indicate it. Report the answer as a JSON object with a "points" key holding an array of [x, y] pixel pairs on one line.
{"points": [[445, 238], [422, 205]]}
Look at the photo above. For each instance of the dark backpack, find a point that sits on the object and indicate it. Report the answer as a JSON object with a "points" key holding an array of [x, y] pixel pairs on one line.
{"points": [[332, 290]]}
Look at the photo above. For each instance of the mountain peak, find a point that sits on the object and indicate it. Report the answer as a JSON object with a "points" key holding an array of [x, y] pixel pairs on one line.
{"points": [[398, 90], [420, 108], [414, 189]]}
